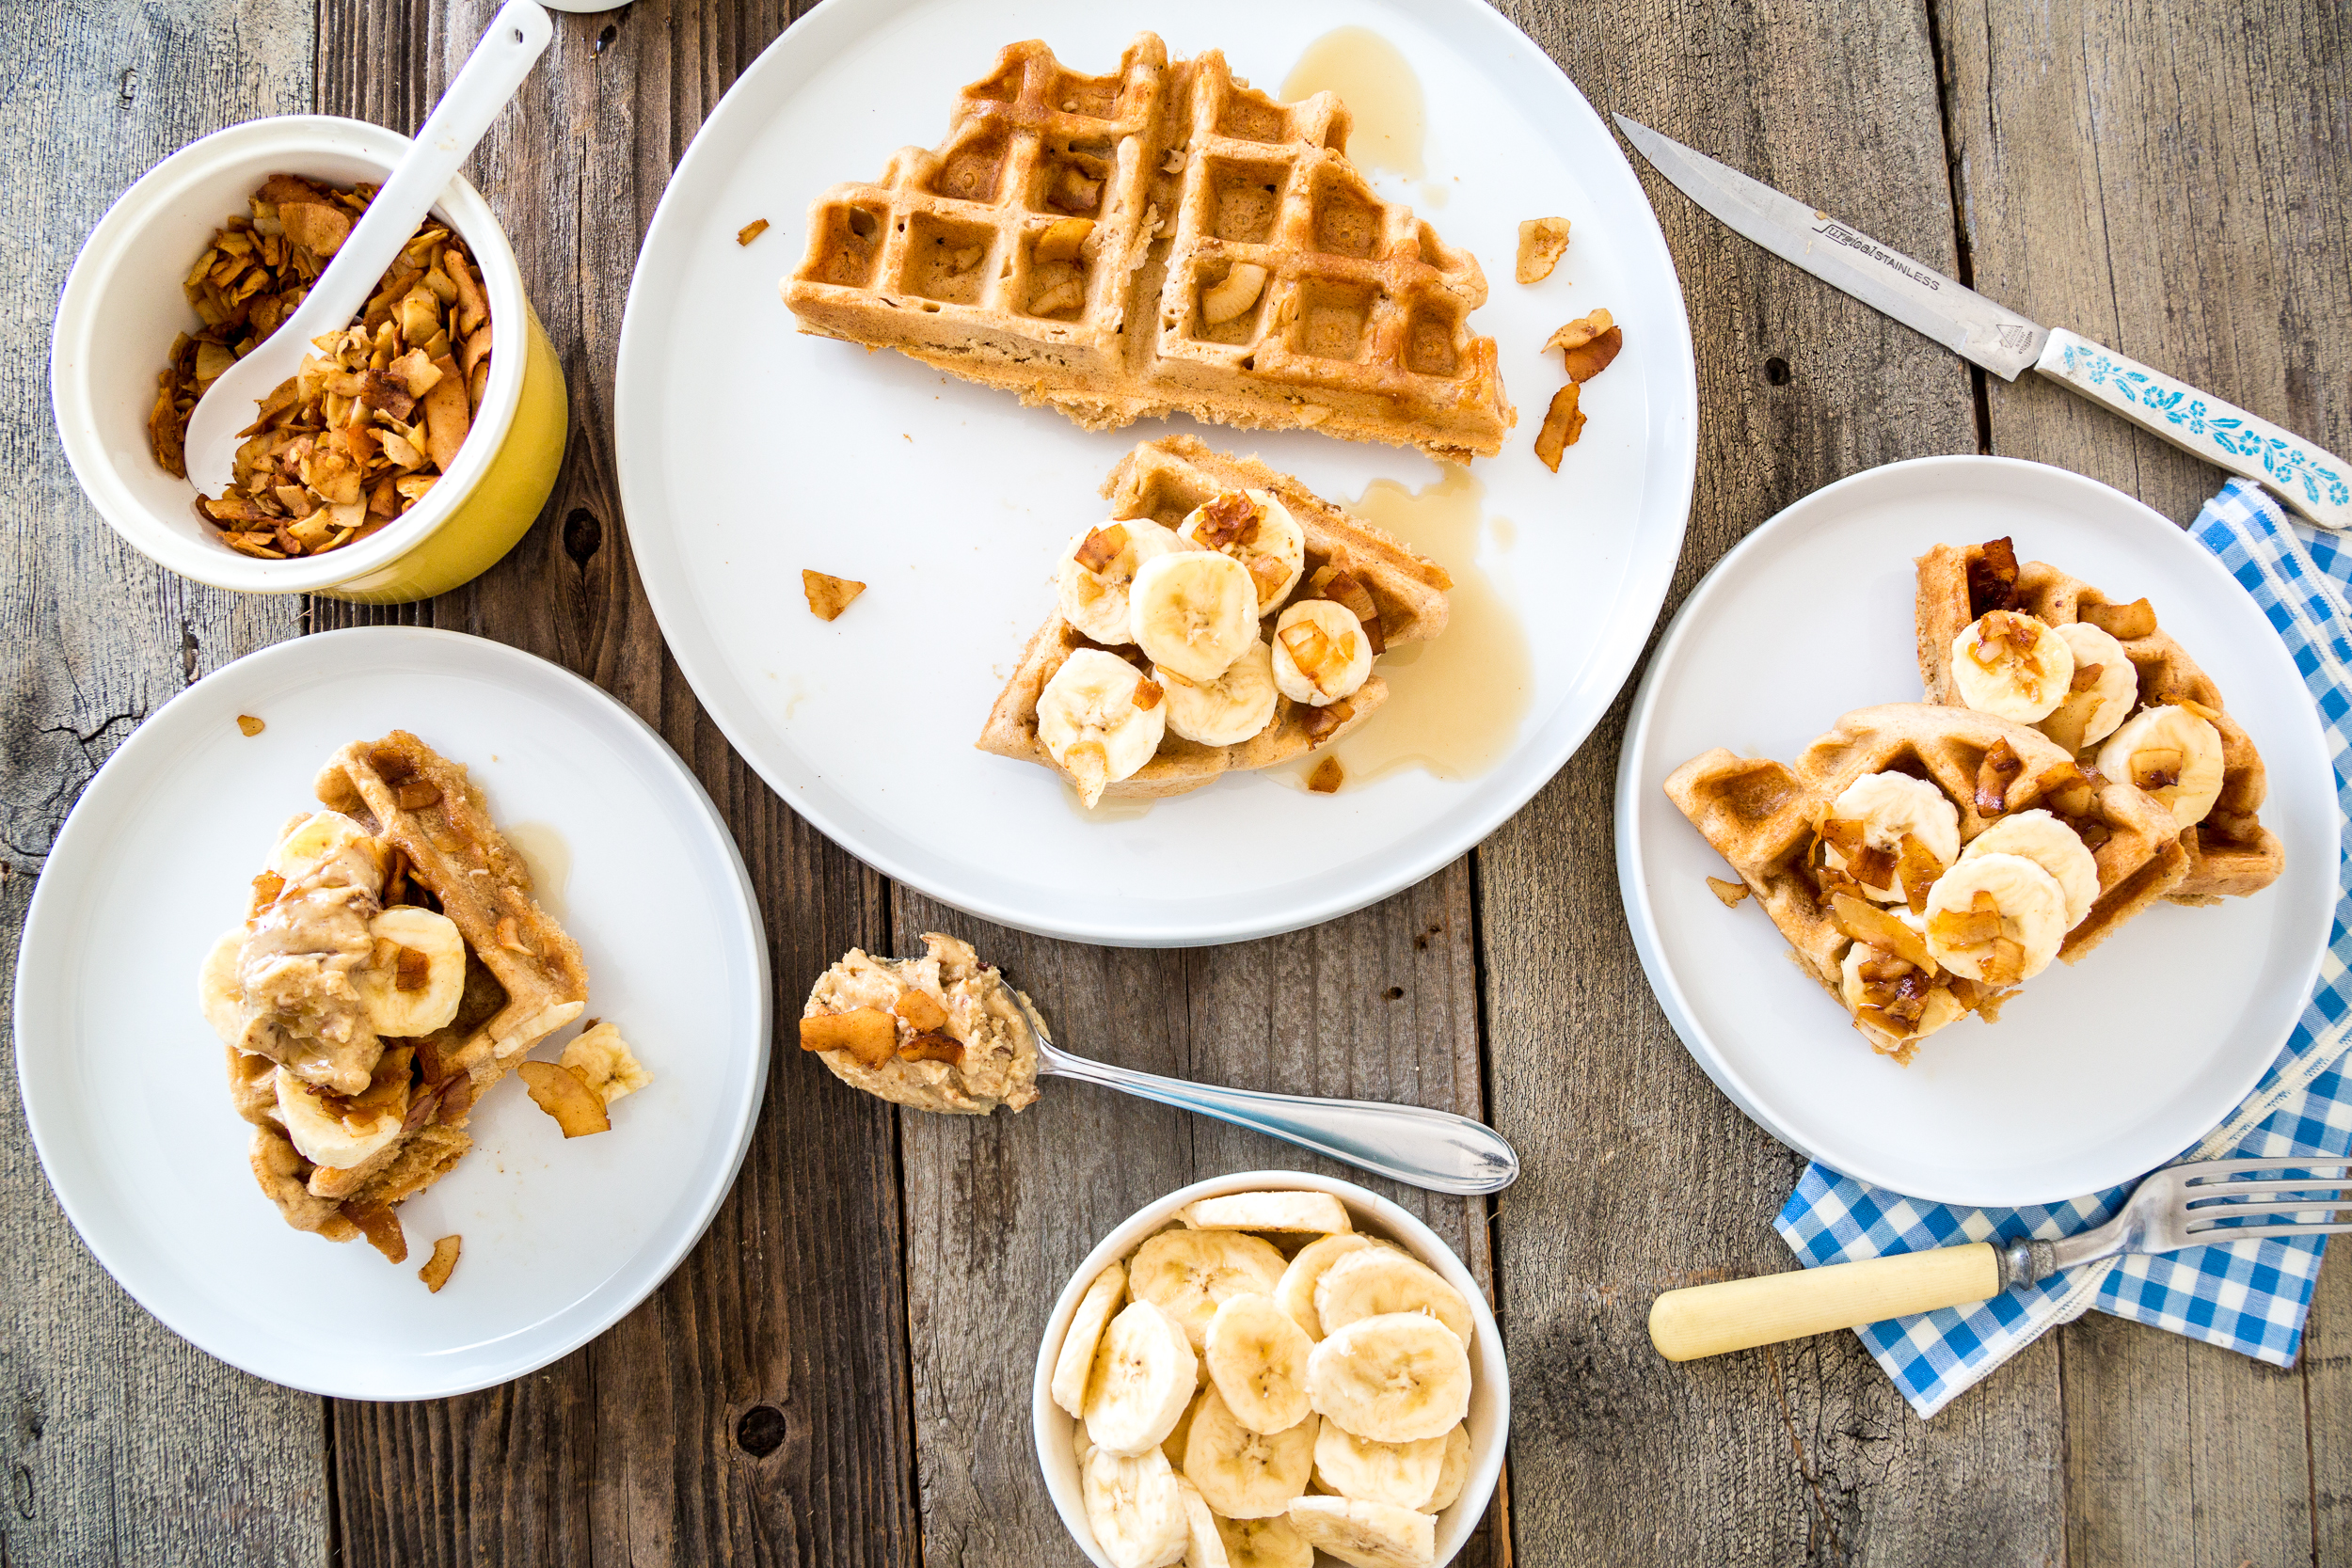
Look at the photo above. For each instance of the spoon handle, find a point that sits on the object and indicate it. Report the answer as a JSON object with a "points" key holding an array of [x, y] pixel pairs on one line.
{"points": [[1436, 1150]]}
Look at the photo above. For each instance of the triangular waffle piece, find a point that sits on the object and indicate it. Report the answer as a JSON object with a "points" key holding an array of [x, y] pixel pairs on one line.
{"points": [[1762, 817], [524, 979], [1164, 481], [1175, 175], [2230, 852]]}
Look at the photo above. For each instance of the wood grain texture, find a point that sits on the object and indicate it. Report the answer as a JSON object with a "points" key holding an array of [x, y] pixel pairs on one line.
{"points": [[119, 1442], [2327, 1368], [1380, 1004], [2183, 192], [756, 1409], [1640, 1175]]}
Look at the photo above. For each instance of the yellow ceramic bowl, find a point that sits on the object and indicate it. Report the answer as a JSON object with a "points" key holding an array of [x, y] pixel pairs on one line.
{"points": [[123, 304]]}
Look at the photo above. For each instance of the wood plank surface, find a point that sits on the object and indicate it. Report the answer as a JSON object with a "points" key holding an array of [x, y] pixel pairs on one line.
{"points": [[1641, 1175], [97, 636], [1379, 1005], [2181, 191], [756, 1408]]}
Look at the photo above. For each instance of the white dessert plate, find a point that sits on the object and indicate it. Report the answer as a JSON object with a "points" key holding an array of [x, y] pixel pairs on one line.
{"points": [[747, 452], [2096, 1072], [123, 1083]]}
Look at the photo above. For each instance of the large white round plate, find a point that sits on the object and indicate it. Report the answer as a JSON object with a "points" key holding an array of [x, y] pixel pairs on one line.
{"points": [[2096, 1072], [123, 1085], [747, 452]]}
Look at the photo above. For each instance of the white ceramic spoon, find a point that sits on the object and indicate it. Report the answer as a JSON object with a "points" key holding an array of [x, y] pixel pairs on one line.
{"points": [[518, 35]]}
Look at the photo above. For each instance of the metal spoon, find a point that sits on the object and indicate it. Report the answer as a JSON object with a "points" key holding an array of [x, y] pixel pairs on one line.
{"points": [[518, 37], [1436, 1149]]}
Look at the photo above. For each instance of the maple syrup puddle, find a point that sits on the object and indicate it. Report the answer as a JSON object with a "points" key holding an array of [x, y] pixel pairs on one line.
{"points": [[1455, 706], [549, 858], [1383, 98]]}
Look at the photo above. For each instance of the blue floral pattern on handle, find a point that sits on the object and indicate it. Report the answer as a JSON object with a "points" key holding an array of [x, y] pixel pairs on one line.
{"points": [[2284, 462]]}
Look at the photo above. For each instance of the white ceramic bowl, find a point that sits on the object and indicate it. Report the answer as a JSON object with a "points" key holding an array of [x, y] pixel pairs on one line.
{"points": [[1491, 1392], [123, 304]]}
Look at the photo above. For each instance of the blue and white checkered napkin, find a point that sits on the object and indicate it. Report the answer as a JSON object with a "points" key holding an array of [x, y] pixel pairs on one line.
{"points": [[2251, 1296]]}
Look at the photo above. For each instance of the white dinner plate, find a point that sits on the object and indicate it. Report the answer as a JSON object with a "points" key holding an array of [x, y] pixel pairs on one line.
{"points": [[748, 452], [124, 1083], [2097, 1071]]}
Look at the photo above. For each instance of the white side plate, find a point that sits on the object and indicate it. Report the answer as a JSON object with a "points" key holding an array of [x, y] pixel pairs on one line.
{"points": [[124, 1086], [748, 452], [2096, 1072]]}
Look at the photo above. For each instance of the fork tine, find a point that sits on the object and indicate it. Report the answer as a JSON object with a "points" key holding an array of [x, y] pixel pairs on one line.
{"points": [[2222, 1191], [2205, 1171], [2224, 1235], [2271, 1206]]}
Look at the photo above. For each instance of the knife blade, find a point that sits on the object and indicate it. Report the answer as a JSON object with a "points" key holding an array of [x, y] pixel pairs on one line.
{"points": [[2307, 476]]}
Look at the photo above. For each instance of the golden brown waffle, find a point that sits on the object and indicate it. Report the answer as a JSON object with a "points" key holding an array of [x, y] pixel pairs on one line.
{"points": [[2230, 852], [1360, 329], [524, 979], [1760, 815], [1164, 481]]}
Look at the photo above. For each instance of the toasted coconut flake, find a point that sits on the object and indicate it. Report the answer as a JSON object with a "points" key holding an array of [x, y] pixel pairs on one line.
{"points": [[1993, 578], [750, 231], [931, 1048], [1237, 292], [1062, 239], [2121, 622], [1101, 546], [1562, 423], [1589, 344], [1872, 926], [250, 725], [1542, 242], [828, 596], [922, 1012], [437, 1268], [566, 1096], [1994, 775], [1729, 894], [868, 1034], [381, 1227], [1328, 777]]}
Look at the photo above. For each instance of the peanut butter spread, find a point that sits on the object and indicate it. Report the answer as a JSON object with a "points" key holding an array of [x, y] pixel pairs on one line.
{"points": [[993, 1052]]}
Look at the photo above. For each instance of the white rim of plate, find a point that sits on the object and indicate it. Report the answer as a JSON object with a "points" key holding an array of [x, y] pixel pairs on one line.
{"points": [[1631, 800], [154, 734], [824, 32]]}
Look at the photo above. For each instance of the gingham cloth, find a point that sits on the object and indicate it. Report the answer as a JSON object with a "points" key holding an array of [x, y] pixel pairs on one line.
{"points": [[2251, 1296]]}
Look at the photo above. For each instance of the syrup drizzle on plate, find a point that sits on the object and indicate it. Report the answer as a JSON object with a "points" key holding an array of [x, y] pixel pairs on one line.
{"points": [[1383, 97]]}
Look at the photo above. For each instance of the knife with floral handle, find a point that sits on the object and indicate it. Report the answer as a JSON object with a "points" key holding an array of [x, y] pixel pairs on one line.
{"points": [[2307, 478]]}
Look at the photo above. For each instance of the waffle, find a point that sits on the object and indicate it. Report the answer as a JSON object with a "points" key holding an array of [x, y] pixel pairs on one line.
{"points": [[524, 979], [1760, 815], [1164, 481], [1360, 330], [2230, 852]]}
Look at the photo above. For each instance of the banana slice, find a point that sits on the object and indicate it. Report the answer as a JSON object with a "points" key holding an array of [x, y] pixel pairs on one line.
{"points": [[1402, 1475], [1295, 1292], [2051, 844], [1245, 1474], [2012, 666], [1281, 1211], [1228, 710], [1257, 1358], [1098, 572], [408, 995], [605, 1063], [1142, 1379], [1452, 1473], [1190, 1274], [1133, 1506], [1321, 654], [1888, 805], [2172, 754], [1264, 1543], [1379, 1281], [1100, 720], [1367, 1535], [219, 996], [331, 1129], [2101, 693], [1257, 530], [1075, 1363], [310, 842], [1397, 1378], [1203, 1546], [1194, 611], [1995, 918]]}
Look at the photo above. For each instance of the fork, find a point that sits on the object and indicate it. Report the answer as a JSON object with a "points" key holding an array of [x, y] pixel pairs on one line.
{"points": [[2211, 1202]]}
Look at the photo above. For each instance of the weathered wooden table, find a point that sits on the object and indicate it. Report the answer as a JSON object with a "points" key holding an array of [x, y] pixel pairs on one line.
{"points": [[838, 1374]]}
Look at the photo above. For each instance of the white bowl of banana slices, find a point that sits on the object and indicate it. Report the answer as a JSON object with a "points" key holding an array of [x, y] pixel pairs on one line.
{"points": [[1260, 1368]]}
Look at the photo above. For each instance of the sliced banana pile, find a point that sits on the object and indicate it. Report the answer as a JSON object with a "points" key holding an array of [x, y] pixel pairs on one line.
{"points": [[1241, 1408], [2075, 684], [1193, 602]]}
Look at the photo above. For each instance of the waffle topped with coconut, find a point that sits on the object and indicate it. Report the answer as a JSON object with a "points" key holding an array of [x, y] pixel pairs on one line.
{"points": [[2102, 680], [1225, 618]]}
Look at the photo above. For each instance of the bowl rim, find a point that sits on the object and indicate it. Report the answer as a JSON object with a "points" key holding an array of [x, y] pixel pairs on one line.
{"points": [[1051, 1427], [93, 273]]}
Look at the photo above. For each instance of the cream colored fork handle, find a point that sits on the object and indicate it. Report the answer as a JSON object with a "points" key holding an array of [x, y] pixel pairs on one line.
{"points": [[2309, 478], [1738, 1314]]}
